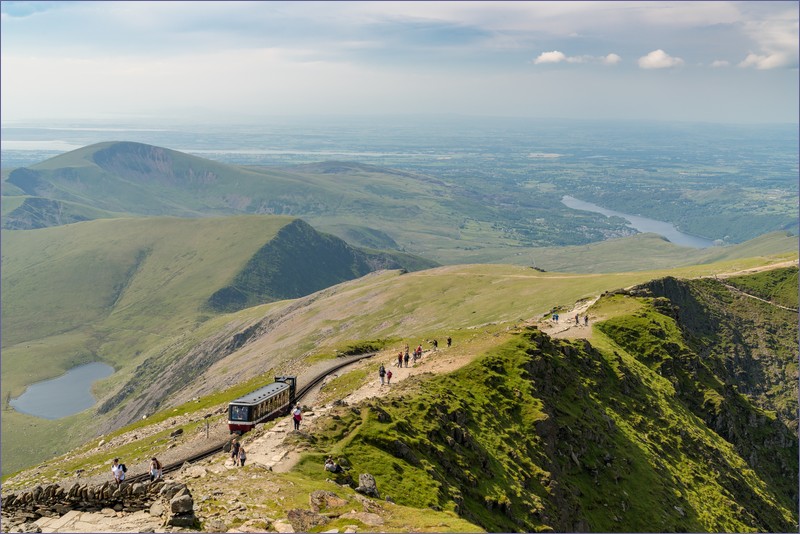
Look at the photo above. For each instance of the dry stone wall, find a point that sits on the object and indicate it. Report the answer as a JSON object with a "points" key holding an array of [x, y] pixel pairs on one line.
{"points": [[53, 500]]}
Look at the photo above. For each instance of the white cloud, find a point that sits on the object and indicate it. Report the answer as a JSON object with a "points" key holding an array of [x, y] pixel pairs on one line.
{"points": [[550, 57], [717, 63], [658, 59], [771, 61], [778, 38], [557, 56]]}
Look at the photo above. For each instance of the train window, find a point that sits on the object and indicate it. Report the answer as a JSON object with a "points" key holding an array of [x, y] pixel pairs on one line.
{"points": [[238, 413]]}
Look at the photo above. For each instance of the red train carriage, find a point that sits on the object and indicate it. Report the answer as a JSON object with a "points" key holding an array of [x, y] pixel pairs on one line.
{"points": [[262, 404]]}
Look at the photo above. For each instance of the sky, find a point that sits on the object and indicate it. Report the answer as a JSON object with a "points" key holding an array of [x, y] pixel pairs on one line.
{"points": [[723, 62]]}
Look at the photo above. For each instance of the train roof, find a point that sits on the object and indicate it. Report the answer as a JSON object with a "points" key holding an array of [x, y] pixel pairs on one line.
{"points": [[261, 393]]}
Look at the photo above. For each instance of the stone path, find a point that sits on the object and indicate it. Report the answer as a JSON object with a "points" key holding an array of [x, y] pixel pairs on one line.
{"points": [[106, 521]]}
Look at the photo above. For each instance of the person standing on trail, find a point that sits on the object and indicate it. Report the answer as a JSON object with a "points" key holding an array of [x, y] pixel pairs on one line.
{"points": [[577, 320], [156, 470], [235, 451], [449, 341], [382, 373], [435, 345], [242, 456], [586, 320], [388, 378], [400, 359], [117, 471], [297, 416], [406, 358]]}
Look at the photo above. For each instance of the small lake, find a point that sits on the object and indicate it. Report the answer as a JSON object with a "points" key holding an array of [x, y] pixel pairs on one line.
{"points": [[643, 224], [68, 394]]}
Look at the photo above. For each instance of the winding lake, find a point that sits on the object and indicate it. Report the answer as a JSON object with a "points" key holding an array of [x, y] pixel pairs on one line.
{"points": [[643, 224], [68, 394]]}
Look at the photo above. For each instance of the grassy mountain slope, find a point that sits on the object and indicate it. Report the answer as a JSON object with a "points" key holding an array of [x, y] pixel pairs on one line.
{"points": [[115, 290], [630, 432], [647, 252], [297, 262], [536, 433], [30, 213], [373, 206]]}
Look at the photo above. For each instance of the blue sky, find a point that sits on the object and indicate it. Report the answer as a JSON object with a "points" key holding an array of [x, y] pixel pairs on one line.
{"points": [[731, 62]]}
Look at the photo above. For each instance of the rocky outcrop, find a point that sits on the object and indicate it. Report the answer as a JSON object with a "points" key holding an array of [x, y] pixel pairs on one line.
{"points": [[367, 485], [54, 501]]}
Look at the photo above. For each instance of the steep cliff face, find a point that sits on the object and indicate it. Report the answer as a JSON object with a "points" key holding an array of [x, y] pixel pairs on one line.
{"points": [[546, 434], [296, 263], [746, 337]]}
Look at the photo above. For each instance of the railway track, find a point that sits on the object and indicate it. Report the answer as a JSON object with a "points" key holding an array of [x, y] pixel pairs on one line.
{"points": [[214, 449]]}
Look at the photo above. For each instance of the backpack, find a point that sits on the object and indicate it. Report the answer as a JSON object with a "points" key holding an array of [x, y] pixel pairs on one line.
{"points": [[124, 469]]}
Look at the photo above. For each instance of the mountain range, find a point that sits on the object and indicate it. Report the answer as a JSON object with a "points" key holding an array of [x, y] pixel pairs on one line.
{"points": [[676, 410]]}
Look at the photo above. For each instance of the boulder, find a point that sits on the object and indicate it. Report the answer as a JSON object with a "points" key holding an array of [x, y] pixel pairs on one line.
{"points": [[367, 485], [156, 509], [170, 489], [321, 500], [305, 520], [183, 520], [182, 504]]}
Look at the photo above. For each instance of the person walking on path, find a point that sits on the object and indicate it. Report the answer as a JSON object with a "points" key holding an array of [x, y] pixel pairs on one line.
{"points": [[117, 471], [382, 373], [577, 320], [400, 359], [449, 341], [297, 416], [235, 451], [242, 456], [435, 345], [586, 320], [406, 358], [388, 378]]}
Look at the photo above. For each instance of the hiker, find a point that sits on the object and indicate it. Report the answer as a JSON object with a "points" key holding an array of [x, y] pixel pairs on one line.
{"points": [[388, 377], [555, 317], [406, 358], [156, 469], [577, 320], [235, 451], [435, 345], [419, 352], [332, 466], [242, 456], [118, 470], [382, 373], [449, 341], [297, 416], [400, 359], [586, 320]]}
